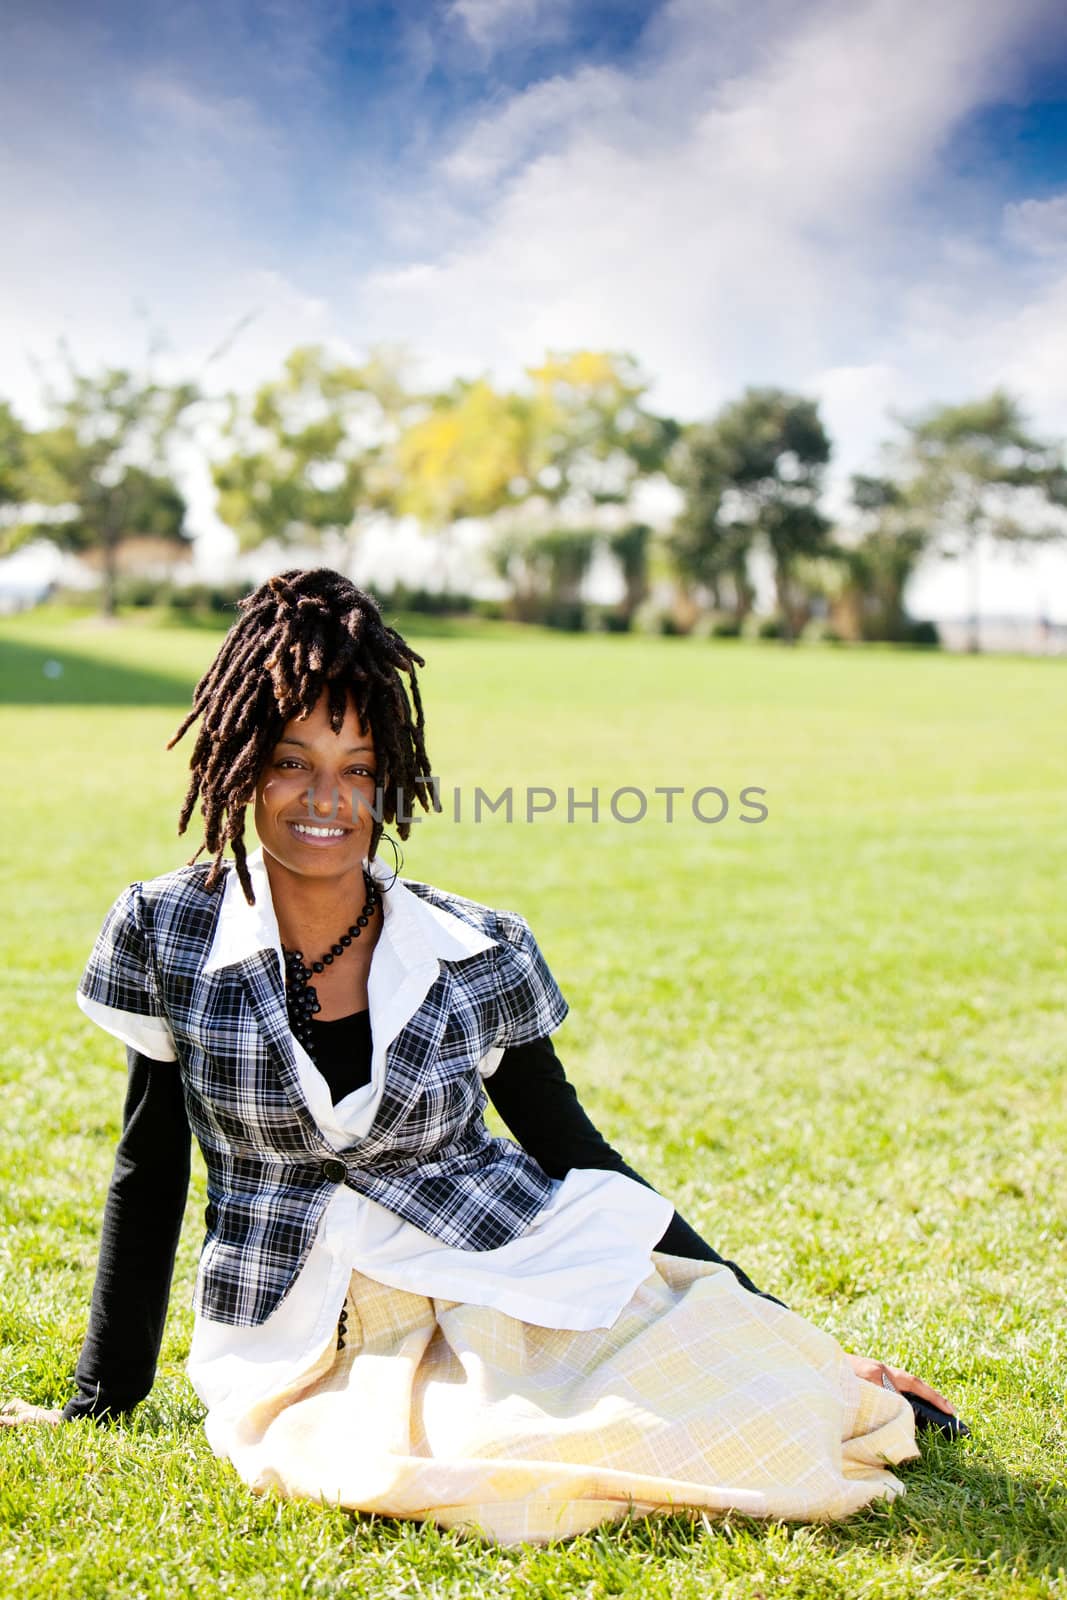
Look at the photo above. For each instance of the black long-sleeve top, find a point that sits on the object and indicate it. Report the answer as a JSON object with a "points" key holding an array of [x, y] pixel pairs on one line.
{"points": [[146, 1198]]}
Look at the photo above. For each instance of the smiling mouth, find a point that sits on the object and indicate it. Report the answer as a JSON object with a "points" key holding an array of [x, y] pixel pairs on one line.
{"points": [[318, 830]]}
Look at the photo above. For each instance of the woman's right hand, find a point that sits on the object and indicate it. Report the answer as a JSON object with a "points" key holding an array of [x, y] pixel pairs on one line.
{"points": [[17, 1413]]}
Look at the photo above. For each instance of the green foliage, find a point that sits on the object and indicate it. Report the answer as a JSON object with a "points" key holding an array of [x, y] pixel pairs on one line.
{"points": [[424, 602], [877, 566], [819, 631], [770, 439], [547, 569], [754, 473], [592, 436], [630, 545], [218, 600], [599, 618], [545, 572], [312, 455], [704, 545], [95, 477], [578, 439], [492, 610], [966, 460], [13, 438], [725, 628], [143, 592], [464, 458], [975, 470], [770, 628], [306, 447], [922, 633]]}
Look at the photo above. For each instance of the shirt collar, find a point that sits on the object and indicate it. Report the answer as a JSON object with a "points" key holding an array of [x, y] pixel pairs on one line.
{"points": [[415, 932]]}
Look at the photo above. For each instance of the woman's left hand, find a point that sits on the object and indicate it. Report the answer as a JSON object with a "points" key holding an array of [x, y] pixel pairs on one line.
{"points": [[874, 1371], [17, 1413]]}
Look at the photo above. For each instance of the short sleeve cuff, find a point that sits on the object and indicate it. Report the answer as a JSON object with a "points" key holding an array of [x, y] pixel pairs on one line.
{"points": [[118, 988], [531, 1003], [150, 1035]]}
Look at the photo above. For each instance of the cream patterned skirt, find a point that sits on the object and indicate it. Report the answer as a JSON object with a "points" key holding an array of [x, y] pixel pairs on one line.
{"points": [[700, 1396]]}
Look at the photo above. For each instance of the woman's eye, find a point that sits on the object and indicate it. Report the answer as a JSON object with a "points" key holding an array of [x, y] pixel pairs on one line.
{"points": [[294, 761]]}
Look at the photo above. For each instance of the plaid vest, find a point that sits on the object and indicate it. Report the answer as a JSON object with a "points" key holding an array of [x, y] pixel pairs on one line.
{"points": [[427, 1155]]}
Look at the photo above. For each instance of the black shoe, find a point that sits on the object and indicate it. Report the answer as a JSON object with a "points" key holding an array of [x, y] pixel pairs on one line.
{"points": [[928, 1416]]}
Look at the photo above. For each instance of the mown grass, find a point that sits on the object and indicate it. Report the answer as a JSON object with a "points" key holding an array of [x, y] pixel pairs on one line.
{"points": [[836, 1038]]}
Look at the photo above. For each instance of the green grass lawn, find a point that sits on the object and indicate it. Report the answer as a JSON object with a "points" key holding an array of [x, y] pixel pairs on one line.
{"points": [[836, 1038]]}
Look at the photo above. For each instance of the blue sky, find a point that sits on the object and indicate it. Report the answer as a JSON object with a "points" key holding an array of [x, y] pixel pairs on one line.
{"points": [[863, 199]]}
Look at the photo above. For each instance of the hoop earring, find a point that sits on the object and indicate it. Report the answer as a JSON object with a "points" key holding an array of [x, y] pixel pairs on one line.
{"points": [[398, 858]]}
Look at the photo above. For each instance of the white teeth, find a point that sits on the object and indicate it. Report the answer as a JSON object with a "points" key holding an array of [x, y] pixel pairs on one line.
{"points": [[319, 833]]}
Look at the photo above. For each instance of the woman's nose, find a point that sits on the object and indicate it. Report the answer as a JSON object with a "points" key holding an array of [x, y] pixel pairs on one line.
{"points": [[325, 799]]}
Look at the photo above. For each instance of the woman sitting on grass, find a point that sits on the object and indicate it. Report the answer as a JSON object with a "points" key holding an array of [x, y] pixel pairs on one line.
{"points": [[395, 1311]]}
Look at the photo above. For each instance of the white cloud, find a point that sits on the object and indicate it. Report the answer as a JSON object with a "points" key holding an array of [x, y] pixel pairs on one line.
{"points": [[1025, 348], [232, 118], [854, 402], [495, 143], [417, 275], [494, 23], [1038, 225], [757, 227]]}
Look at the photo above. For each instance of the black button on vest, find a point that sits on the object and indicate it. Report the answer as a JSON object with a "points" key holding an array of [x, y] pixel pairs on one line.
{"points": [[336, 1171]]}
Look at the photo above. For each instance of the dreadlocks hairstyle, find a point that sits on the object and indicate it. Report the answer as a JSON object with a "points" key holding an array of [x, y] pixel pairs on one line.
{"points": [[303, 631]]}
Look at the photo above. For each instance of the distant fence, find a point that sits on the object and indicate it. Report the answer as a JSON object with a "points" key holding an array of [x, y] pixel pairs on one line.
{"points": [[1022, 635]]}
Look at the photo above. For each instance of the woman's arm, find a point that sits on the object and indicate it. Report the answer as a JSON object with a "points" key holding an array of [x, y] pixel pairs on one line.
{"points": [[139, 1240], [530, 1091]]}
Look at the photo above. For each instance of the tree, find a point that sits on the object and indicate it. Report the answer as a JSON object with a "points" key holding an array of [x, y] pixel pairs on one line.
{"points": [[630, 547], [466, 456], [591, 440], [546, 571], [306, 447], [974, 470], [540, 464], [703, 549], [592, 436], [878, 565], [96, 476], [13, 438], [754, 472]]}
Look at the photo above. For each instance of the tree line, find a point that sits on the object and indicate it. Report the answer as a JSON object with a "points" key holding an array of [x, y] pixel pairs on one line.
{"points": [[552, 467]]}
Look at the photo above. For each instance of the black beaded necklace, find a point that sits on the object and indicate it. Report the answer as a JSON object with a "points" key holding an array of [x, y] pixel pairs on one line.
{"points": [[302, 998]]}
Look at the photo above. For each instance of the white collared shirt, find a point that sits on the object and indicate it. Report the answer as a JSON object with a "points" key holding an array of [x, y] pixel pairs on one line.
{"points": [[575, 1266]]}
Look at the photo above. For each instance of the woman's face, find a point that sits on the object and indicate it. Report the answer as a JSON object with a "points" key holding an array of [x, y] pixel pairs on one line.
{"points": [[314, 795]]}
